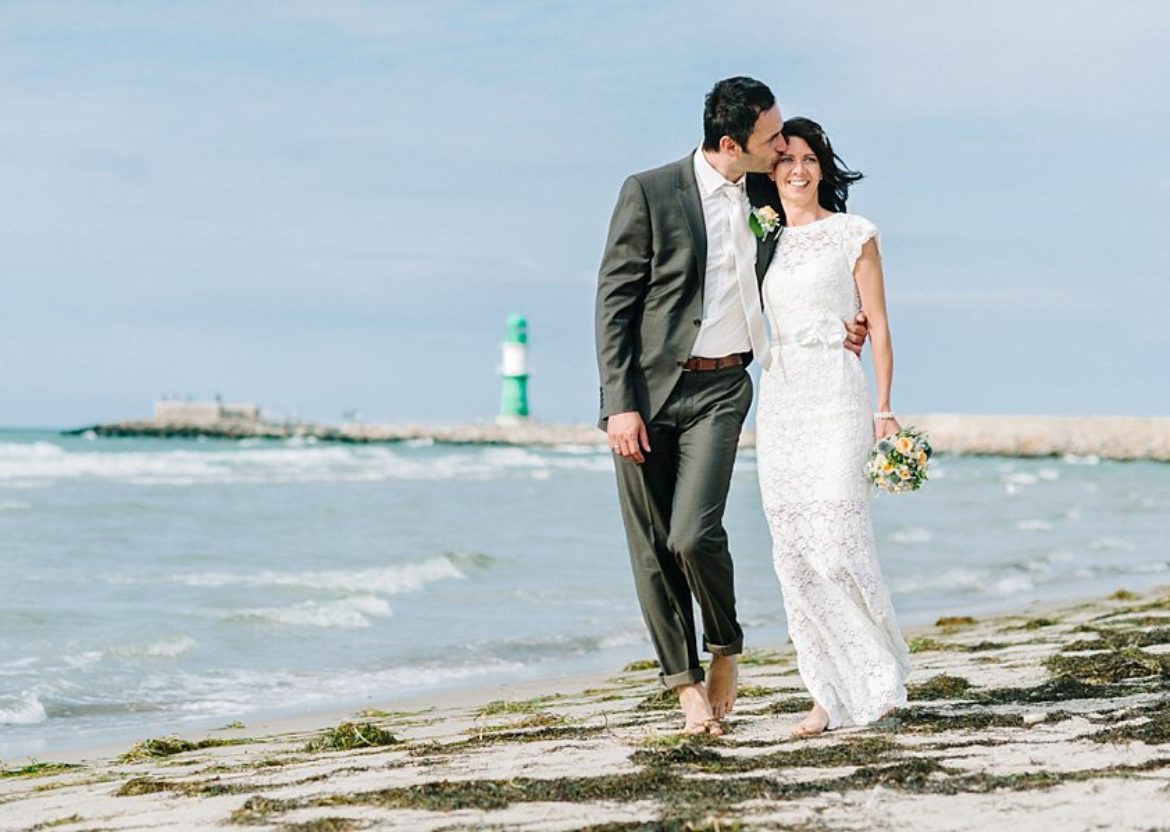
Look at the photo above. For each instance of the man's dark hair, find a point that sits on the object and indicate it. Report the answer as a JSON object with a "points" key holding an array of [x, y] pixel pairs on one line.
{"points": [[731, 109]]}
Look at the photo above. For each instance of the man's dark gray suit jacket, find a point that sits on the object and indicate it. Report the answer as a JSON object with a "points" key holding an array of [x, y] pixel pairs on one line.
{"points": [[650, 287]]}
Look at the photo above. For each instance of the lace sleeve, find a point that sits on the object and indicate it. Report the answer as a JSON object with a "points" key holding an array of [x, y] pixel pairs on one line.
{"points": [[858, 232]]}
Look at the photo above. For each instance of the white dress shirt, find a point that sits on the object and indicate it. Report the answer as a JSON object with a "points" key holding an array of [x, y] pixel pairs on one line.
{"points": [[724, 329]]}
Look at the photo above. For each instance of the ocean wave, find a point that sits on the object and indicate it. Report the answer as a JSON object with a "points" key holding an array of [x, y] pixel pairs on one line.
{"points": [[13, 505], [38, 463], [236, 692], [388, 580], [166, 648], [349, 613], [25, 710]]}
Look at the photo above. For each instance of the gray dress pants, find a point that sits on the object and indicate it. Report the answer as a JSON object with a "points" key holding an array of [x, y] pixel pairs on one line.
{"points": [[672, 506]]}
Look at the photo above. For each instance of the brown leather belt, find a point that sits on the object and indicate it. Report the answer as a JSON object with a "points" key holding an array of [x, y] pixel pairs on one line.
{"points": [[698, 364]]}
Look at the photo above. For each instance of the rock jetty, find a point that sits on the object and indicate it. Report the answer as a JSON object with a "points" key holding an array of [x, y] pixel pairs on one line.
{"points": [[1107, 437]]}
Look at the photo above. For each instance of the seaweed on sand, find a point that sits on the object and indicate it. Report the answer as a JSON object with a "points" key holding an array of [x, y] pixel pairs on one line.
{"points": [[1154, 729], [541, 719], [790, 705], [641, 664], [551, 732], [659, 783], [349, 735], [660, 700], [170, 745], [941, 686], [1117, 639], [1060, 688], [192, 788], [516, 706], [1112, 666], [924, 644], [36, 769], [931, 721], [955, 622], [860, 751]]}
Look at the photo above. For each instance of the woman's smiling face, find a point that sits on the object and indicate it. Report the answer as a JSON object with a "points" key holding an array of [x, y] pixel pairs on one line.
{"points": [[798, 173]]}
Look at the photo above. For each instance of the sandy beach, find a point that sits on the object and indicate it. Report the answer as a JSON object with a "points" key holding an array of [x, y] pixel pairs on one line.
{"points": [[1051, 718]]}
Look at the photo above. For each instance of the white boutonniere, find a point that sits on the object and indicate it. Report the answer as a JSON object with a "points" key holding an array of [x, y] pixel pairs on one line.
{"points": [[764, 221]]}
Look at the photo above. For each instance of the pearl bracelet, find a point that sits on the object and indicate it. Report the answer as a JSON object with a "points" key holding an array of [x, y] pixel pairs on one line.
{"points": [[882, 415]]}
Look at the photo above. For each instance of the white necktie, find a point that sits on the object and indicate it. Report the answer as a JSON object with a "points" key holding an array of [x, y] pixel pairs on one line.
{"points": [[743, 247]]}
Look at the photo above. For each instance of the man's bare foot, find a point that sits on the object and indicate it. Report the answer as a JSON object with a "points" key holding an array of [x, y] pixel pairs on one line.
{"points": [[815, 723], [697, 710], [723, 684]]}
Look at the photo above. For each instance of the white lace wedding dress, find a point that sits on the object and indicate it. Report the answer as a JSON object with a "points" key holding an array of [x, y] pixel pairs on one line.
{"points": [[814, 430]]}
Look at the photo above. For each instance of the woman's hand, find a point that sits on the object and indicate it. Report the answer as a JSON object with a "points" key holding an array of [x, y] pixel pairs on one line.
{"points": [[885, 427]]}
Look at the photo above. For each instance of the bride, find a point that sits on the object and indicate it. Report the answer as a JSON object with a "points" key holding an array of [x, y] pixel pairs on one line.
{"points": [[814, 432]]}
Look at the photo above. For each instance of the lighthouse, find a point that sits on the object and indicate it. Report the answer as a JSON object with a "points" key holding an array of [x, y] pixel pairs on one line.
{"points": [[514, 372]]}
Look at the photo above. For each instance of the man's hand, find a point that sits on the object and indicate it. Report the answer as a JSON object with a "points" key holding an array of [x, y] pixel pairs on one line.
{"points": [[628, 436], [855, 334]]}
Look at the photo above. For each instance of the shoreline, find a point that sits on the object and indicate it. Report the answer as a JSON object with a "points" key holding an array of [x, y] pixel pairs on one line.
{"points": [[997, 701], [1104, 437], [458, 693]]}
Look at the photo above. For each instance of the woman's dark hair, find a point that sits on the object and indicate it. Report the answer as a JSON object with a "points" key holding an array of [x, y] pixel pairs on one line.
{"points": [[836, 176], [732, 108]]}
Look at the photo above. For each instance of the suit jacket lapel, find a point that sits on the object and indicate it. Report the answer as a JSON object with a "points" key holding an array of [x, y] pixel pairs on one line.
{"points": [[764, 251], [762, 191], [692, 207]]}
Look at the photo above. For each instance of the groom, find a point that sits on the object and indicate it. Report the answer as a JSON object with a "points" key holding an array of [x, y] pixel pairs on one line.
{"points": [[678, 320]]}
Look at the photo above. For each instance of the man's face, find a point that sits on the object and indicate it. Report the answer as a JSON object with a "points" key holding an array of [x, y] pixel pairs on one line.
{"points": [[765, 144]]}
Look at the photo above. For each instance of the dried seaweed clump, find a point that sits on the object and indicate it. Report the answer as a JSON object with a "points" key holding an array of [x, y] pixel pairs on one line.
{"points": [[955, 622], [349, 735], [641, 664], [170, 745], [1112, 666], [941, 686], [38, 769]]}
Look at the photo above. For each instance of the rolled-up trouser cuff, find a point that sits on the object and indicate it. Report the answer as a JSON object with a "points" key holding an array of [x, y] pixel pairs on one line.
{"points": [[687, 677], [733, 649]]}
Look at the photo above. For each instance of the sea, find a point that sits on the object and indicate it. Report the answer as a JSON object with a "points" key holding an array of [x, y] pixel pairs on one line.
{"points": [[151, 586]]}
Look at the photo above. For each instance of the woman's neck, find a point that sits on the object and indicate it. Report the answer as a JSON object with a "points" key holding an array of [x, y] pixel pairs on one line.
{"points": [[803, 214]]}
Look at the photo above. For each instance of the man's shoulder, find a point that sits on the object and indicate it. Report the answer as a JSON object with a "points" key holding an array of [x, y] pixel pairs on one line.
{"points": [[664, 175]]}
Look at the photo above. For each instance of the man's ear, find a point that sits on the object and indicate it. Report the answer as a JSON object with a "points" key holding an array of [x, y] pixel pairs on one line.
{"points": [[729, 146]]}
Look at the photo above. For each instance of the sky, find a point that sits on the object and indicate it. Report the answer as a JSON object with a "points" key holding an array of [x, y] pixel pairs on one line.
{"points": [[328, 206]]}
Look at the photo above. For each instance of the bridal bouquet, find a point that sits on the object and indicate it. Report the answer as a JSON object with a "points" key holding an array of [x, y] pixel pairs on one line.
{"points": [[898, 463]]}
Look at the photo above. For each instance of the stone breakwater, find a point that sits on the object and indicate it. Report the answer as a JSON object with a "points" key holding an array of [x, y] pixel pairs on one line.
{"points": [[1107, 437]]}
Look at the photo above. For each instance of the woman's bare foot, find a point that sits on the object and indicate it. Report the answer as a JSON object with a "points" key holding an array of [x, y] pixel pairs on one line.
{"points": [[723, 684], [697, 715], [815, 723]]}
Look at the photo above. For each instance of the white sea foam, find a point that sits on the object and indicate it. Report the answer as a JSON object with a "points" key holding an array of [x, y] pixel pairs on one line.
{"points": [[1012, 585], [166, 648], [389, 580], [1111, 544], [24, 710], [1033, 526], [910, 534], [349, 613], [1076, 459], [1020, 478], [13, 505], [623, 639]]}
